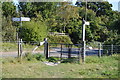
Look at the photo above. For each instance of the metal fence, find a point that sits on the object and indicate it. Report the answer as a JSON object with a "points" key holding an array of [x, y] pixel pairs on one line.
{"points": [[65, 51], [111, 49], [59, 50]]}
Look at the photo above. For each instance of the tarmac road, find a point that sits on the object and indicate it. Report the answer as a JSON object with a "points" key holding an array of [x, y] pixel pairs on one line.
{"points": [[53, 52]]}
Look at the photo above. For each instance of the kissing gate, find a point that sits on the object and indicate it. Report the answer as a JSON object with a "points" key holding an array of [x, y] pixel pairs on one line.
{"points": [[75, 51], [62, 51]]}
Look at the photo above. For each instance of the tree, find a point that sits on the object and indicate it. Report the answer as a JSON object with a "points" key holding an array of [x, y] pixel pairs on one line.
{"points": [[65, 13], [8, 31], [8, 9], [100, 8], [33, 31], [46, 9]]}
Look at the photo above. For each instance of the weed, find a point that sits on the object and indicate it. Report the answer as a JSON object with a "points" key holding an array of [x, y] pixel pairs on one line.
{"points": [[81, 72], [53, 59]]}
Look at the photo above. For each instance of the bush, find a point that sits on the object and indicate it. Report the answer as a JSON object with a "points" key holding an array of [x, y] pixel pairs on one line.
{"points": [[38, 56], [33, 31], [52, 59], [71, 60], [9, 46], [59, 39], [29, 56]]}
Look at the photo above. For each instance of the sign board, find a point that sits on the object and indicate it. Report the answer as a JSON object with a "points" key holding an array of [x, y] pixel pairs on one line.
{"points": [[21, 19], [87, 23], [25, 19], [15, 19]]}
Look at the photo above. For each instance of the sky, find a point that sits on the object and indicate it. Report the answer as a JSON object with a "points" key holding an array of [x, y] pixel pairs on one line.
{"points": [[113, 2]]}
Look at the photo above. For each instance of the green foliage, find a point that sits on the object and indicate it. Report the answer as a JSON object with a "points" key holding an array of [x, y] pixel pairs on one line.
{"points": [[63, 17], [37, 69], [9, 46], [33, 57], [59, 39], [93, 44], [114, 38], [70, 60], [8, 30], [8, 9], [33, 31], [101, 60], [39, 57], [52, 59]]}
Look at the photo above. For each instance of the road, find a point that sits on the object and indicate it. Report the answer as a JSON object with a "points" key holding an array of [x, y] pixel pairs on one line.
{"points": [[53, 52], [74, 52]]}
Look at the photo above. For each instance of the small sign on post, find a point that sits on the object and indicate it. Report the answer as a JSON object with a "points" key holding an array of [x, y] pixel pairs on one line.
{"points": [[20, 40], [87, 23], [21, 19], [25, 19], [15, 19]]}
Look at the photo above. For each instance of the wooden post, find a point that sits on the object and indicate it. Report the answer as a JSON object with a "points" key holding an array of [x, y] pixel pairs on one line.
{"points": [[99, 51], [61, 52], [46, 48], [69, 51], [78, 54], [111, 49], [18, 47], [83, 51]]}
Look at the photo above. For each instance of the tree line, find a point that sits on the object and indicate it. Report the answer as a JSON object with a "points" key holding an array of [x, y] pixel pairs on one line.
{"points": [[61, 17]]}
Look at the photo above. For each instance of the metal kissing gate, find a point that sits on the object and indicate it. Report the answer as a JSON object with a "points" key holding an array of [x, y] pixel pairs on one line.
{"points": [[63, 51]]}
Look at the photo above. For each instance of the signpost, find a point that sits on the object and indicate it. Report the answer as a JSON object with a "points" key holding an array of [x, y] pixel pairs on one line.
{"points": [[21, 19], [83, 39], [20, 39]]}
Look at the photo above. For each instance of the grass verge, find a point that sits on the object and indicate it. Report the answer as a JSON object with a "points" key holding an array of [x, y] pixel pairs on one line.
{"points": [[105, 67]]}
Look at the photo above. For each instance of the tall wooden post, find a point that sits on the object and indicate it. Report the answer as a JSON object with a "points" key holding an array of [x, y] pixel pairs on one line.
{"points": [[99, 51], [61, 52], [69, 51], [46, 53], [18, 47], [111, 49]]}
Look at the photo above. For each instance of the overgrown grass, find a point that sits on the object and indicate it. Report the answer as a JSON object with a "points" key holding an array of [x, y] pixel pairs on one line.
{"points": [[59, 39], [105, 67]]}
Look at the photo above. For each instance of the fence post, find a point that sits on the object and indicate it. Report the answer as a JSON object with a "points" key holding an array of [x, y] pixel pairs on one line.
{"points": [[78, 54], [111, 49], [99, 52], [21, 48], [69, 51], [61, 52], [83, 51], [46, 48], [18, 47]]}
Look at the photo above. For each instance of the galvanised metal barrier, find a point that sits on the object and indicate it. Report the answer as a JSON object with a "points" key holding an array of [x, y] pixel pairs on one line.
{"points": [[65, 51]]}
